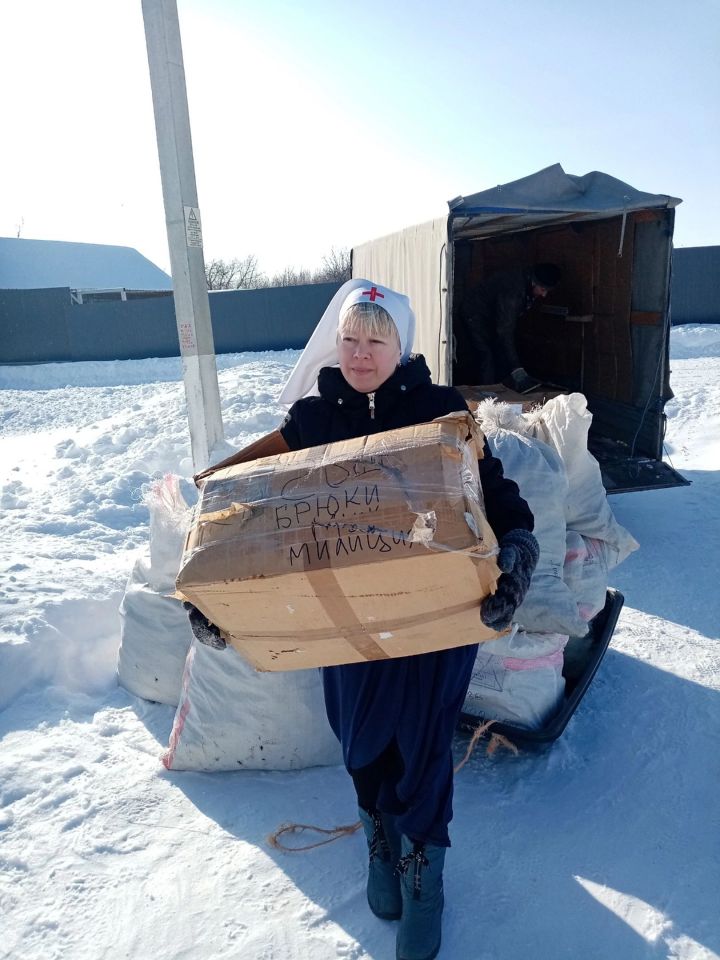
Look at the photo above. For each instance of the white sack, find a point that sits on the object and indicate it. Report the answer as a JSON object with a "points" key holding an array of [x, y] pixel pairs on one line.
{"points": [[231, 717], [518, 679], [155, 634], [540, 475], [169, 521], [155, 637], [587, 563], [564, 423]]}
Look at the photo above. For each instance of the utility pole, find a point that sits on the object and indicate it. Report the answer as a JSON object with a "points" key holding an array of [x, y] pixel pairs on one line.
{"points": [[184, 228]]}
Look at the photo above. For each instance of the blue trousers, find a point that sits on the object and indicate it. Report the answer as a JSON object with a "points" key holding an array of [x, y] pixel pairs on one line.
{"points": [[395, 720]]}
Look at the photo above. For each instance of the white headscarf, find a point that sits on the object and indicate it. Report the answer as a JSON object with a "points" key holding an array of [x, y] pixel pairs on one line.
{"points": [[321, 349]]}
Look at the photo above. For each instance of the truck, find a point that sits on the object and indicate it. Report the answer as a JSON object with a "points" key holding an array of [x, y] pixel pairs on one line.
{"points": [[603, 331]]}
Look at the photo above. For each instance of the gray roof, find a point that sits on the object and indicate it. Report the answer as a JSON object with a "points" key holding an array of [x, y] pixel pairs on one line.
{"points": [[551, 195], [35, 264]]}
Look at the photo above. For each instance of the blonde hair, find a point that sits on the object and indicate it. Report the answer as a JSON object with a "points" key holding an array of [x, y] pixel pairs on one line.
{"points": [[370, 318]]}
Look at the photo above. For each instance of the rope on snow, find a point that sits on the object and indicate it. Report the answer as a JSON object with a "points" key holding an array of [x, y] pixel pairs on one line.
{"points": [[496, 740], [336, 833]]}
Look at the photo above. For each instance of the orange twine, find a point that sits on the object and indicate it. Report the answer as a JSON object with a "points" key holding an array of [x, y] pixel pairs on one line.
{"points": [[335, 834], [496, 740]]}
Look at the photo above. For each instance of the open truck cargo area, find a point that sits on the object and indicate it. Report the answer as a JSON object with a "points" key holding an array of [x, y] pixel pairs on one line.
{"points": [[603, 331]]}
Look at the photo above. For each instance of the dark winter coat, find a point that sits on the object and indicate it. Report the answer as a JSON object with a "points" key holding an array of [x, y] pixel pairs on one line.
{"points": [[485, 349], [411, 701]]}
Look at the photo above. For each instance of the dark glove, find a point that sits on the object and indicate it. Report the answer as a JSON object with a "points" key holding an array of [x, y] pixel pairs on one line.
{"points": [[521, 381], [518, 557], [204, 631]]}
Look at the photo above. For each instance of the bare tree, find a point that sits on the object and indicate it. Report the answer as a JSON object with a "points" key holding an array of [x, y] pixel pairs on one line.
{"points": [[335, 267], [234, 274], [245, 274], [291, 277]]}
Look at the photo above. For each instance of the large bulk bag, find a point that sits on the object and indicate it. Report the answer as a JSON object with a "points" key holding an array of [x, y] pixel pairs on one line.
{"points": [[232, 717], [564, 423], [518, 679], [155, 635]]}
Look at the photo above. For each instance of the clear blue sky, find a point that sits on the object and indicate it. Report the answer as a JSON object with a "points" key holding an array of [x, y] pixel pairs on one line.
{"points": [[328, 123]]}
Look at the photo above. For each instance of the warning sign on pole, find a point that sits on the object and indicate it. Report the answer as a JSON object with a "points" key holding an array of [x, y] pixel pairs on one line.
{"points": [[193, 227]]}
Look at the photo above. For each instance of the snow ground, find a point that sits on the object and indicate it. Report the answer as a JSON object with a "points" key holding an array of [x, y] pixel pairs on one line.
{"points": [[604, 846]]}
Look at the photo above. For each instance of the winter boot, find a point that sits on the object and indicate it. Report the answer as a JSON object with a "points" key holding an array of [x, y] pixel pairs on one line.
{"points": [[383, 886], [420, 868]]}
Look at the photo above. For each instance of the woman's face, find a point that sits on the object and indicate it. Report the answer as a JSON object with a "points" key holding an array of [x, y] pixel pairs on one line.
{"points": [[367, 360]]}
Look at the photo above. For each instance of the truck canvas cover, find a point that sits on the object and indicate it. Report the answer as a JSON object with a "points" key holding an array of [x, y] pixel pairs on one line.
{"points": [[604, 331]]}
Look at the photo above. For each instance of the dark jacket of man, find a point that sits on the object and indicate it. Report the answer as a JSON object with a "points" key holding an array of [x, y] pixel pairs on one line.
{"points": [[408, 704], [485, 350]]}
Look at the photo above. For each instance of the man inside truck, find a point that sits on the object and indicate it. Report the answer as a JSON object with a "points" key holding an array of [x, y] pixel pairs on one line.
{"points": [[485, 350]]}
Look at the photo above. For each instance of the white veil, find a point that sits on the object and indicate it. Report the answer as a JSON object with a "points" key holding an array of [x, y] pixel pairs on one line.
{"points": [[321, 349]]}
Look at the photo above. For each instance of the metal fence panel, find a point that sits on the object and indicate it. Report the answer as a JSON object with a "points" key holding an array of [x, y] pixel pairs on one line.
{"points": [[41, 326], [695, 294]]}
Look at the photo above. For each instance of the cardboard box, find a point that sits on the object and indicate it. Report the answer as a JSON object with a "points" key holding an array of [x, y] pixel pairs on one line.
{"points": [[498, 391], [370, 548]]}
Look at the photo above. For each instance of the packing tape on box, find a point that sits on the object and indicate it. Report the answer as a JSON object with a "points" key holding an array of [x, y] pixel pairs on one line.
{"points": [[341, 614], [347, 624], [354, 633]]}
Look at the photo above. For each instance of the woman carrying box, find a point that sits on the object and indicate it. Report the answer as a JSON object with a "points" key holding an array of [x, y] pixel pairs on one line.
{"points": [[395, 718]]}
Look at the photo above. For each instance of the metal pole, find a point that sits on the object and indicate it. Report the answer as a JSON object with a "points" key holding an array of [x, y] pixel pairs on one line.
{"points": [[184, 229]]}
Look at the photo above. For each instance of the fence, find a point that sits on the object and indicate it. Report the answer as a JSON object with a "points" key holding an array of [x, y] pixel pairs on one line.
{"points": [[696, 285], [41, 326]]}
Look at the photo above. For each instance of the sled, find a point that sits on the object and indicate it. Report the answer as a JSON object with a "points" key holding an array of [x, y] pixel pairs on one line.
{"points": [[582, 658]]}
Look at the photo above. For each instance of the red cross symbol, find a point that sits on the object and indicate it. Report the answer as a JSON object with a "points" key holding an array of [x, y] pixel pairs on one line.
{"points": [[373, 293]]}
